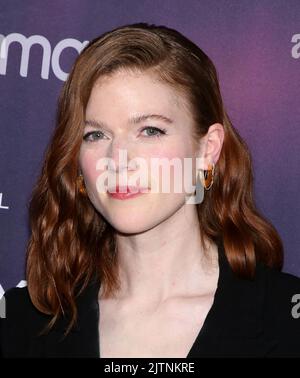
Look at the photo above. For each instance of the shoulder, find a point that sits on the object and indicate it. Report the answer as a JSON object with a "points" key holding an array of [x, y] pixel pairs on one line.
{"points": [[281, 310], [20, 322], [16, 297], [17, 304], [275, 288], [264, 309], [282, 289]]}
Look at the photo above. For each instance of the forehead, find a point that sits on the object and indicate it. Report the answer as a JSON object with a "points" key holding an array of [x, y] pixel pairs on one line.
{"points": [[125, 89]]}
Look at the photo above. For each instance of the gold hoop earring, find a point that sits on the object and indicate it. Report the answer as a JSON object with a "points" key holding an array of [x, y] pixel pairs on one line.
{"points": [[80, 185], [208, 176]]}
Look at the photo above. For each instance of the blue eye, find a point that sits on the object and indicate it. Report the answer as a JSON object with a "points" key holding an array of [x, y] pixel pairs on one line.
{"points": [[157, 132], [153, 132], [87, 136]]}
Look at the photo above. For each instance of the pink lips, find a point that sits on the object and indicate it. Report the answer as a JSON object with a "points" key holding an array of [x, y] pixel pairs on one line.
{"points": [[123, 193]]}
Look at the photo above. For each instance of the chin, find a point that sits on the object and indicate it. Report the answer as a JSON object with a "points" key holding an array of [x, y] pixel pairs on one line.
{"points": [[125, 226], [133, 220], [135, 216]]}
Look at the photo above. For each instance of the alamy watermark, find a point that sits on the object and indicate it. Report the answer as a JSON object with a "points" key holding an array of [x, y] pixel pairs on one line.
{"points": [[296, 308], [158, 181]]}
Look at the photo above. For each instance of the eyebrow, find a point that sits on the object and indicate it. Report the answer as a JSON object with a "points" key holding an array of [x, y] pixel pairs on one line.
{"points": [[132, 120]]}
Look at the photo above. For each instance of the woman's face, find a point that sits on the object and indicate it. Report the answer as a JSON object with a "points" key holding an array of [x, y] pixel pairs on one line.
{"points": [[115, 100]]}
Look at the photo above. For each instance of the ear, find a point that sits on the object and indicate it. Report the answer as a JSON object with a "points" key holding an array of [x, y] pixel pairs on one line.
{"points": [[211, 146]]}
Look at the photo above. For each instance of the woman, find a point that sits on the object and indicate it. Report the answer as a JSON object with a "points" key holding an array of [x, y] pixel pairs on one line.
{"points": [[160, 273]]}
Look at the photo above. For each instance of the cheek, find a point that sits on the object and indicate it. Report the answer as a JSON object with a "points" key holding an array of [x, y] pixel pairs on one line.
{"points": [[175, 150], [88, 162], [166, 171]]}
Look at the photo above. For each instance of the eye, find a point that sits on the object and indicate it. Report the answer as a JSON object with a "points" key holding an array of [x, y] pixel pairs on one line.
{"points": [[92, 136], [154, 131]]}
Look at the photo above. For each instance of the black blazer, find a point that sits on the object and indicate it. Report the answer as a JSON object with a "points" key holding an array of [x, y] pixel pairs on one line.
{"points": [[247, 319]]}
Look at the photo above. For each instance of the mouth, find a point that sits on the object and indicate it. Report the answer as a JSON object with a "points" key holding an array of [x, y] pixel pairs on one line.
{"points": [[126, 192]]}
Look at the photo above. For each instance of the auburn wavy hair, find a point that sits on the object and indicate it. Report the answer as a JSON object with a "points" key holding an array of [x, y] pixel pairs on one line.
{"points": [[70, 241]]}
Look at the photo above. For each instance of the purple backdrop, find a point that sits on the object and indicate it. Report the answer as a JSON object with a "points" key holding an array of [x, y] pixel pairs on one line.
{"points": [[255, 46]]}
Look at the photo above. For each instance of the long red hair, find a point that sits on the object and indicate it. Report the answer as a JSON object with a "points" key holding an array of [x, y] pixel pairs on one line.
{"points": [[70, 241]]}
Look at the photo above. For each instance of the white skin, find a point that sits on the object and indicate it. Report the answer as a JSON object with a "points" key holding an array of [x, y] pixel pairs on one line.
{"points": [[160, 254]]}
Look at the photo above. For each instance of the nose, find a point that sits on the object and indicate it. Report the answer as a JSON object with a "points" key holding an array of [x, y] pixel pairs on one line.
{"points": [[120, 153]]}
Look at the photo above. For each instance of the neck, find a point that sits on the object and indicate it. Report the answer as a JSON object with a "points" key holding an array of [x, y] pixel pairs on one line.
{"points": [[167, 260]]}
